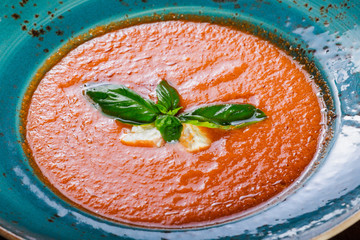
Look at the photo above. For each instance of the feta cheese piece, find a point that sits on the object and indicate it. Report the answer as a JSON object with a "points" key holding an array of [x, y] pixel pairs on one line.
{"points": [[142, 136], [193, 138]]}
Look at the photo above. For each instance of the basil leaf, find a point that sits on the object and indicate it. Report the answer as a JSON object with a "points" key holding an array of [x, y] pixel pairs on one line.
{"points": [[168, 98], [174, 112], [161, 108], [122, 103], [224, 116], [170, 127]]}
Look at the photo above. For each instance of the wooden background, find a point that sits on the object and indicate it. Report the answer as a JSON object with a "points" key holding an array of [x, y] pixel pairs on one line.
{"points": [[352, 233]]}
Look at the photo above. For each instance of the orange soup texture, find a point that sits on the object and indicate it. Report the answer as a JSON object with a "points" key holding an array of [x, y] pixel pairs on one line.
{"points": [[78, 149]]}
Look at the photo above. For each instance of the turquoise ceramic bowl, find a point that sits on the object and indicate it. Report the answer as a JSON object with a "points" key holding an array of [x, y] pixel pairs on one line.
{"points": [[328, 195]]}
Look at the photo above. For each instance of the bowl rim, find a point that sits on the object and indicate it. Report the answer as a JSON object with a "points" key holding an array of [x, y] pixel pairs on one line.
{"points": [[342, 226]]}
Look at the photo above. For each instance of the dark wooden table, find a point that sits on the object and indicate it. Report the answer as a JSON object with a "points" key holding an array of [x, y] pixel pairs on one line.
{"points": [[352, 233]]}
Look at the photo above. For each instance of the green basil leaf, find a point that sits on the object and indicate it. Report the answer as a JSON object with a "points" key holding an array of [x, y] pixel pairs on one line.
{"points": [[162, 108], [170, 127], [168, 98], [224, 116], [174, 112], [122, 103], [206, 124]]}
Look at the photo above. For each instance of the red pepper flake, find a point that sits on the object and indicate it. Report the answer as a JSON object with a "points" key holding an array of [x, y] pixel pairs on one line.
{"points": [[15, 16]]}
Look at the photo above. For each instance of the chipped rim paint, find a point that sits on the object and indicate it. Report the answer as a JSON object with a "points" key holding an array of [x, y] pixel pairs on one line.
{"points": [[329, 196]]}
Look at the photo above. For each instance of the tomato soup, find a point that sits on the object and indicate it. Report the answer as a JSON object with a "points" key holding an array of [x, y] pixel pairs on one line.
{"points": [[78, 149]]}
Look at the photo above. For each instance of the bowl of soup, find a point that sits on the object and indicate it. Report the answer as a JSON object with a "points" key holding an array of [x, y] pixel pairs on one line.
{"points": [[73, 169]]}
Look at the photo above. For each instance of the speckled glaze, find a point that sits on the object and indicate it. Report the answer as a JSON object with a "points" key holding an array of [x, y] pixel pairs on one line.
{"points": [[327, 195]]}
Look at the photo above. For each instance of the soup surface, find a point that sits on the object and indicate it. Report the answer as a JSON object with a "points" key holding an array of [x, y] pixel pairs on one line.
{"points": [[78, 149]]}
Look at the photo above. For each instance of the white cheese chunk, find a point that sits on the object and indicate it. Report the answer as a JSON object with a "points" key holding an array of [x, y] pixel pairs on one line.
{"points": [[142, 136], [194, 139]]}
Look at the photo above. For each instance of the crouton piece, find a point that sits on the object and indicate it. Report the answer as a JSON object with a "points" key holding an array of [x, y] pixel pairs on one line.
{"points": [[194, 139], [142, 136]]}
